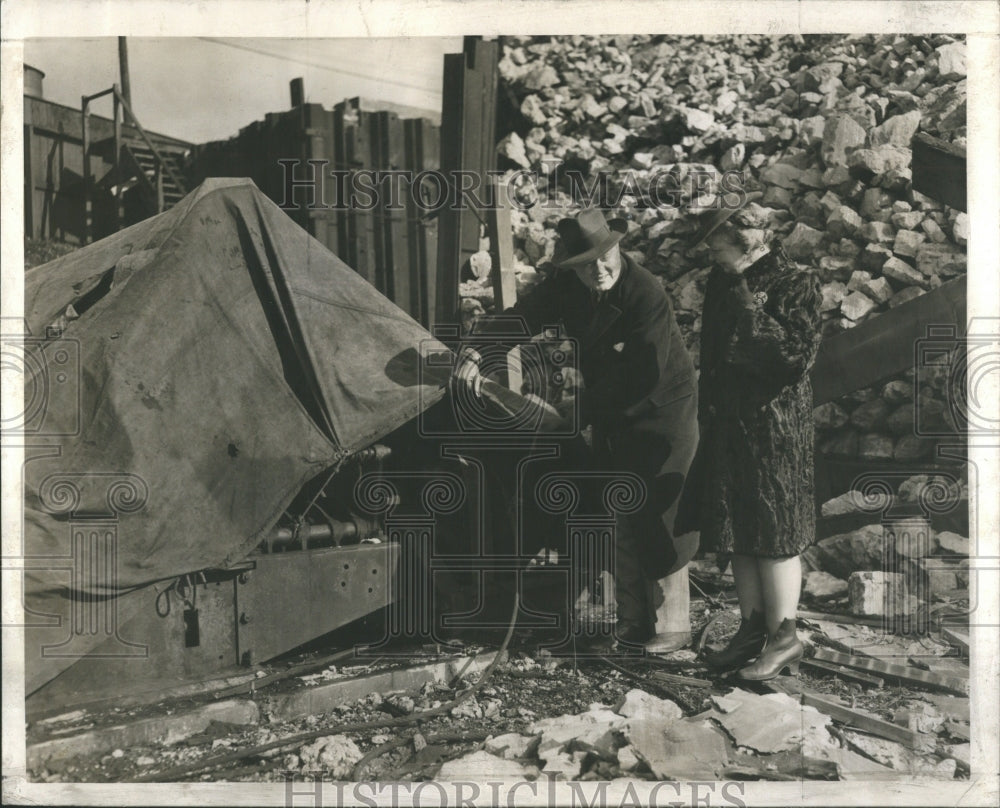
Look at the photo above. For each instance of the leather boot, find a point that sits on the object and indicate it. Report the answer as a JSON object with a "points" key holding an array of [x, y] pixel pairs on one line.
{"points": [[744, 645], [782, 652]]}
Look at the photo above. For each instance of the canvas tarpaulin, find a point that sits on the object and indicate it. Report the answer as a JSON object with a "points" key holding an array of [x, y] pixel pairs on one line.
{"points": [[223, 357]]}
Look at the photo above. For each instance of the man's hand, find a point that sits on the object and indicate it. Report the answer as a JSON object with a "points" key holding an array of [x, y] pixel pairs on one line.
{"points": [[467, 374]]}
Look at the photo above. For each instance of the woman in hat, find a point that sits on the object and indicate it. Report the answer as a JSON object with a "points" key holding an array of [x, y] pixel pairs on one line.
{"points": [[760, 331], [640, 395]]}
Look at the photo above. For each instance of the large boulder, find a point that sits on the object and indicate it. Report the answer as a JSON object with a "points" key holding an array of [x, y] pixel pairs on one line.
{"points": [[861, 549]]}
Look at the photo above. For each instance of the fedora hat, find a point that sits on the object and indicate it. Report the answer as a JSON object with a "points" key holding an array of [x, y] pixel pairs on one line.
{"points": [[586, 237], [714, 220]]}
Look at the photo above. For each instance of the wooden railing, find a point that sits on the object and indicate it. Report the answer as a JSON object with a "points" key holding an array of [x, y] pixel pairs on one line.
{"points": [[122, 113]]}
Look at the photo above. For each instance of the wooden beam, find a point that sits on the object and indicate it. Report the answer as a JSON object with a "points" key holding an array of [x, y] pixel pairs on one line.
{"points": [[449, 221], [468, 143], [859, 720], [900, 673], [939, 170], [844, 619], [844, 673], [500, 233], [882, 347], [958, 639], [422, 154], [675, 679], [124, 76]]}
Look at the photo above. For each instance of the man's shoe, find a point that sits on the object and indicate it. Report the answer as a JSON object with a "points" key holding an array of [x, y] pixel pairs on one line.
{"points": [[631, 632], [667, 641], [782, 652], [745, 644]]}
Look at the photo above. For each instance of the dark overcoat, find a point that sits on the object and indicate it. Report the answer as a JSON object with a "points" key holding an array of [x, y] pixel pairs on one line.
{"points": [[751, 490], [640, 392]]}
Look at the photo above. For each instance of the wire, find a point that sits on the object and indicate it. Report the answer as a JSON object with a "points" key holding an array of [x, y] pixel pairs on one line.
{"points": [[318, 65]]}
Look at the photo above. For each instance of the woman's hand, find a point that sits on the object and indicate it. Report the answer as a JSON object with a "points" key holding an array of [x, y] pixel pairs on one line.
{"points": [[743, 293]]}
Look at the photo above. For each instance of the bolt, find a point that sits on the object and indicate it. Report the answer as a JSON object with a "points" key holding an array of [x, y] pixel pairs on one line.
{"points": [[244, 577], [244, 618]]}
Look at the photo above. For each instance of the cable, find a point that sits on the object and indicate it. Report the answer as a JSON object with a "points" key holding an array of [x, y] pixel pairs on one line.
{"points": [[318, 65]]}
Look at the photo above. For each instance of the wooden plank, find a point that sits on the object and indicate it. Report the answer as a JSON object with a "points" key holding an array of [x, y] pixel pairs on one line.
{"points": [[343, 200], [378, 160], [362, 222], [451, 159], [675, 679], [485, 60], [939, 170], [431, 139], [500, 232], [422, 146], [958, 639], [395, 237], [859, 720], [844, 673], [900, 673], [501, 237], [846, 619], [882, 347], [468, 143]]}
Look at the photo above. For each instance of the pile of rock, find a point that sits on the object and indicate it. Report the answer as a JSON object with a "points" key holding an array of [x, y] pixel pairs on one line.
{"points": [[894, 566], [647, 126], [896, 420]]}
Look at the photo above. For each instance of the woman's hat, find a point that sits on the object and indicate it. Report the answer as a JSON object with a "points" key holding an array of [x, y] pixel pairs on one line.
{"points": [[587, 237], [714, 220]]}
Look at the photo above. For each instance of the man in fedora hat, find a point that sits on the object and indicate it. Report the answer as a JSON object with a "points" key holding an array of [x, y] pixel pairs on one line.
{"points": [[640, 397]]}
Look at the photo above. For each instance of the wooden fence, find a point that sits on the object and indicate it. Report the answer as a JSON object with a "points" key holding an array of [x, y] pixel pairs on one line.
{"points": [[373, 222]]}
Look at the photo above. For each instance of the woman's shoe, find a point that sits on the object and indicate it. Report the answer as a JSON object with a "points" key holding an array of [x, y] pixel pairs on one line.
{"points": [[745, 644], [782, 652]]}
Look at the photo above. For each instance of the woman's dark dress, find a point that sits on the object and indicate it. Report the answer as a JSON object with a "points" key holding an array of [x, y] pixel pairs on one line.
{"points": [[753, 488]]}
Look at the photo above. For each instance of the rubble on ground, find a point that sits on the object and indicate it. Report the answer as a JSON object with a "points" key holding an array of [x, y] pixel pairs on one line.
{"points": [[604, 721]]}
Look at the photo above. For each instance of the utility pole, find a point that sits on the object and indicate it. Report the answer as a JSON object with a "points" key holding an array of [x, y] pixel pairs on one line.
{"points": [[123, 74]]}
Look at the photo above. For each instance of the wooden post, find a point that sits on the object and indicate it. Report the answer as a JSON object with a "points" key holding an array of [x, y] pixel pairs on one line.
{"points": [[88, 215], [159, 187], [498, 228], [673, 616], [422, 149], [119, 202], [468, 143], [392, 248], [123, 70]]}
